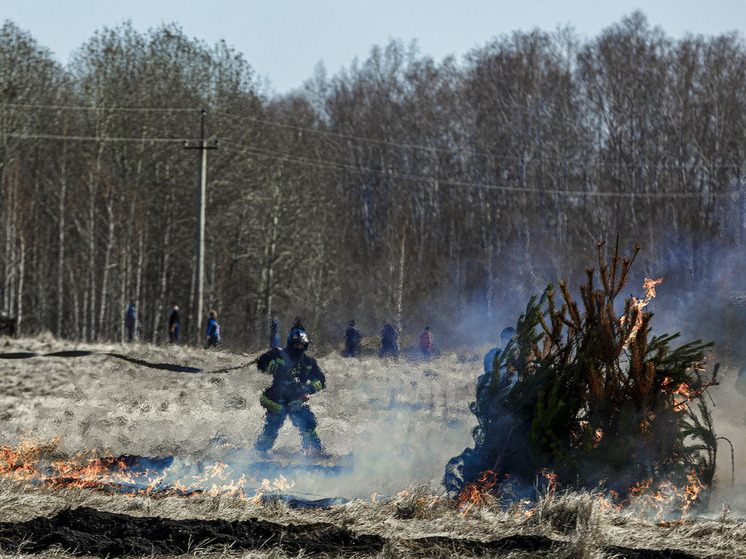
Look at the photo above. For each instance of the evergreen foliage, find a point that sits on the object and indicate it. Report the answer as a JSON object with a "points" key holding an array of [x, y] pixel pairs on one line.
{"points": [[588, 393]]}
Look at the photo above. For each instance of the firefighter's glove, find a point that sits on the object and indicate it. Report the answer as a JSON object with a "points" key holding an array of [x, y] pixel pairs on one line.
{"points": [[312, 387], [270, 405], [296, 405], [271, 367]]}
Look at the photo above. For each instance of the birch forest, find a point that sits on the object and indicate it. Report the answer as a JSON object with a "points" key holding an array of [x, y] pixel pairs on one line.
{"points": [[402, 189]]}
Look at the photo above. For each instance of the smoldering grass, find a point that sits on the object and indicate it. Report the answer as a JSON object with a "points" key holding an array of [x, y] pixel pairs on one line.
{"points": [[417, 503], [574, 515], [124, 410], [564, 512]]}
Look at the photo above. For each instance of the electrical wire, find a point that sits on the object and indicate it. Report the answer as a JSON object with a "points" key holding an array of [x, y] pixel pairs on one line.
{"points": [[24, 136], [277, 155], [101, 109], [463, 184], [302, 129]]}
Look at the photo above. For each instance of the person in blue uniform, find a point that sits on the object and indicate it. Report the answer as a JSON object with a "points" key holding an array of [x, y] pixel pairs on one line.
{"points": [[352, 340], [274, 331], [130, 321], [295, 377], [173, 323], [505, 336], [213, 330], [389, 341]]}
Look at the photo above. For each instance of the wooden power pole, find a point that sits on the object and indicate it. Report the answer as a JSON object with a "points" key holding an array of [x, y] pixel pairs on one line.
{"points": [[199, 283]]}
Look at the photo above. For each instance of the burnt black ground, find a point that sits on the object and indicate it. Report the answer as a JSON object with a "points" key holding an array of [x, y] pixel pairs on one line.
{"points": [[87, 531]]}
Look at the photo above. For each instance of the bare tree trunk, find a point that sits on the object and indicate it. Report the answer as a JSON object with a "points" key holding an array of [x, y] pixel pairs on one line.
{"points": [[21, 270], [13, 237], [124, 266], [9, 271], [126, 294], [77, 314], [400, 287], [491, 280], [192, 330], [107, 266], [62, 241], [164, 280], [138, 275], [270, 255], [91, 295]]}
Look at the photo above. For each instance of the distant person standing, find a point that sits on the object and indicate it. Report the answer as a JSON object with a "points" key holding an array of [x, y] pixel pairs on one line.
{"points": [[426, 343], [274, 331], [130, 321], [213, 330], [741, 381], [298, 324], [352, 340], [389, 341], [505, 336], [173, 323]]}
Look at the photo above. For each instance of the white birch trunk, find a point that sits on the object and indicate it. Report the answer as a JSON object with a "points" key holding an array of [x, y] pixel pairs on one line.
{"points": [[8, 271], [62, 241], [163, 282], [77, 314], [400, 288], [138, 276], [107, 266], [21, 270], [270, 249]]}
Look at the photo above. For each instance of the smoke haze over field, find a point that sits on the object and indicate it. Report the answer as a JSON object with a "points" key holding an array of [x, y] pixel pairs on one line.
{"points": [[401, 420]]}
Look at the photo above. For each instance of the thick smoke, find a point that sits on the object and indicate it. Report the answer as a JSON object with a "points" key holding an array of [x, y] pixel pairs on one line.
{"points": [[395, 423], [399, 422], [702, 297]]}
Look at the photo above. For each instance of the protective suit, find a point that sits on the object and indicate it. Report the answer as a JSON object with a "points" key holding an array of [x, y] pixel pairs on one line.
{"points": [[295, 377]]}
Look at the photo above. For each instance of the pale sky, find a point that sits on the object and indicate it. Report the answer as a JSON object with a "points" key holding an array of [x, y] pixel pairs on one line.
{"points": [[284, 40]]}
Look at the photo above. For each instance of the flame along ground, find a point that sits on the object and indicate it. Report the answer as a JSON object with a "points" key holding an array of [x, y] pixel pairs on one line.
{"points": [[403, 419], [663, 504], [43, 464]]}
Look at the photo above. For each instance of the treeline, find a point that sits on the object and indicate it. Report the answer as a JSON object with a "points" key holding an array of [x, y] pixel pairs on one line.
{"points": [[400, 189]]}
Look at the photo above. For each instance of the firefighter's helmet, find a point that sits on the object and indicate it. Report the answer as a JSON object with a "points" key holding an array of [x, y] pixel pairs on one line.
{"points": [[296, 336]]}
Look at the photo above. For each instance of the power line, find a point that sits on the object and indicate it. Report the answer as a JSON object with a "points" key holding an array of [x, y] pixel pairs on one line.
{"points": [[277, 155], [101, 109], [348, 136], [24, 136], [463, 184], [353, 168], [390, 143]]}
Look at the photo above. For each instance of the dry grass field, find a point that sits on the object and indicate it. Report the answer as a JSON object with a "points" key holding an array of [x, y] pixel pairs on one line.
{"points": [[400, 422]]}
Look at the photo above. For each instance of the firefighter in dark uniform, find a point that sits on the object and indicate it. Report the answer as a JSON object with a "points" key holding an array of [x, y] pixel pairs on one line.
{"points": [[295, 377]]}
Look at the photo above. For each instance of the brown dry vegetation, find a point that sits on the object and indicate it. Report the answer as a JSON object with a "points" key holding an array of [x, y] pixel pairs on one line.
{"points": [[403, 420]]}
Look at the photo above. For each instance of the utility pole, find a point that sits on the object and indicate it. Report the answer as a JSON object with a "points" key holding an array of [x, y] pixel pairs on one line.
{"points": [[199, 282]]}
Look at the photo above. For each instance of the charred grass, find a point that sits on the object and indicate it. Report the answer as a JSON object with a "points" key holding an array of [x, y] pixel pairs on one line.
{"points": [[416, 414], [39, 522]]}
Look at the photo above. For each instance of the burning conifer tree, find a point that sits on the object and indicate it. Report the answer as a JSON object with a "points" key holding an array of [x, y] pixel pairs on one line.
{"points": [[592, 396]]}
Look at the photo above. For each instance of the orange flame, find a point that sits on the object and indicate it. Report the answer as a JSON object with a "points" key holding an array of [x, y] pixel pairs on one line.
{"points": [[476, 494], [44, 464], [648, 287], [644, 500]]}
